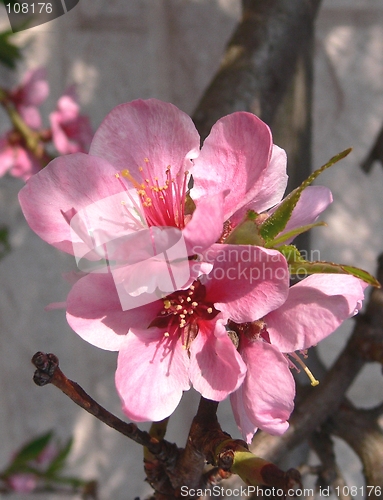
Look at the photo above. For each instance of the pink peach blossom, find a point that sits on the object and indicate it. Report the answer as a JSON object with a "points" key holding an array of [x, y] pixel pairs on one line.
{"points": [[180, 340], [133, 182], [17, 160], [28, 96], [141, 156], [144, 150], [71, 131], [22, 482], [314, 308]]}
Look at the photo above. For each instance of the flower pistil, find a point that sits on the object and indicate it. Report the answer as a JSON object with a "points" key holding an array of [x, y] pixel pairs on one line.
{"points": [[162, 205], [182, 312]]}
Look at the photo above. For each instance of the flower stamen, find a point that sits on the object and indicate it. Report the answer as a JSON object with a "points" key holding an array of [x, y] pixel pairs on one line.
{"points": [[162, 205], [180, 316], [314, 382]]}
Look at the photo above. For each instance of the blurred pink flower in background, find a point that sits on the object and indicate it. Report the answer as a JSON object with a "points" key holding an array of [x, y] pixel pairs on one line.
{"points": [[29, 95], [17, 160], [27, 482], [23, 482], [71, 131]]}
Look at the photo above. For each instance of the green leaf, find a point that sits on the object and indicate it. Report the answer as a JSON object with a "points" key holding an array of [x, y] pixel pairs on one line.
{"points": [[246, 233], [299, 266], [9, 53], [30, 451], [75, 482], [292, 234], [276, 223], [59, 462]]}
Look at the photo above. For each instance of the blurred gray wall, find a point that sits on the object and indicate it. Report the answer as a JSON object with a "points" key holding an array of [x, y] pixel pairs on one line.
{"points": [[120, 50]]}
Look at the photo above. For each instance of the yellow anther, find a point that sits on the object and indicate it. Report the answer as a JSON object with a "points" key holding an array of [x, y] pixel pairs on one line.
{"points": [[313, 381], [179, 307], [194, 304], [128, 175], [166, 334], [182, 316], [167, 304], [188, 299], [209, 310], [185, 311]]}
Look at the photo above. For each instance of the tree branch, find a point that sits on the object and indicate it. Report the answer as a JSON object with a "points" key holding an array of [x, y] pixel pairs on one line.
{"points": [[259, 62], [48, 372], [360, 429]]}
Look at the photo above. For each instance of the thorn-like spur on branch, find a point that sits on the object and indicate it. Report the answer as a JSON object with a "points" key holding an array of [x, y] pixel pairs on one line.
{"points": [[208, 442], [48, 372]]}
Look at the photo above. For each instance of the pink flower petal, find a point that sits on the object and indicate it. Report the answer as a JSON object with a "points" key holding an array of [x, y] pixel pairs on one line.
{"points": [[6, 156], [31, 116], [72, 132], [314, 308], [35, 87], [17, 161], [274, 182], [206, 224], [245, 425], [153, 130], [94, 312], [216, 368], [265, 399], [273, 186], [246, 281], [29, 95], [313, 201], [152, 373], [234, 157], [68, 184], [25, 163], [22, 482]]}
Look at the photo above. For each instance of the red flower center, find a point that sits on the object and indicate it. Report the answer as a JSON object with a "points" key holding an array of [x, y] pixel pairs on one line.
{"points": [[183, 310], [161, 205]]}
